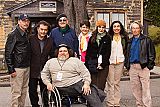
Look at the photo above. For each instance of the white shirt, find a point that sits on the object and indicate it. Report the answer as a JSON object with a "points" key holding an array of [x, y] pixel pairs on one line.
{"points": [[117, 55]]}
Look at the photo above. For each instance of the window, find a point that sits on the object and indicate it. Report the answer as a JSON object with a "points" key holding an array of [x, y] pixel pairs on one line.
{"points": [[118, 16], [105, 17], [114, 16]]}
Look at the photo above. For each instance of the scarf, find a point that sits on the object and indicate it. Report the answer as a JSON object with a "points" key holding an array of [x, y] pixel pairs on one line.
{"points": [[99, 37], [84, 41], [64, 30]]}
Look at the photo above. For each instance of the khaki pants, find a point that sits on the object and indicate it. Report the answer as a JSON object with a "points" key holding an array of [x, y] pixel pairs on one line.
{"points": [[140, 85], [19, 85], [113, 84]]}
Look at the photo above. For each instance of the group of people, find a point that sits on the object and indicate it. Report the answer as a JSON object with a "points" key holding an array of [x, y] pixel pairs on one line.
{"points": [[86, 64]]}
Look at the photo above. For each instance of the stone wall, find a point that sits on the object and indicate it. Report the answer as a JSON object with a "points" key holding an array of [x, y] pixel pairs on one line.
{"points": [[5, 20], [2, 33], [133, 12], [132, 8]]}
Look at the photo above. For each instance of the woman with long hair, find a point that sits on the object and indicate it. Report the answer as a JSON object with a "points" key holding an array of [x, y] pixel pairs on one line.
{"points": [[118, 49]]}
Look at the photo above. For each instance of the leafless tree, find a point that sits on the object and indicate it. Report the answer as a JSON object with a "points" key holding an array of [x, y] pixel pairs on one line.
{"points": [[76, 12]]}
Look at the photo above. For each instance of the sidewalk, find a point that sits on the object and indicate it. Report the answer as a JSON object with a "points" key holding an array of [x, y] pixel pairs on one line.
{"points": [[156, 70], [127, 98]]}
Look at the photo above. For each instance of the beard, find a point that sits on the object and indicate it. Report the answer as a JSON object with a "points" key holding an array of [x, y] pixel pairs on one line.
{"points": [[62, 58]]}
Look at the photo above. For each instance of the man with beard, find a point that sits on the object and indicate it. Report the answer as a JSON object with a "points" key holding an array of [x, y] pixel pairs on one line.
{"points": [[70, 76]]}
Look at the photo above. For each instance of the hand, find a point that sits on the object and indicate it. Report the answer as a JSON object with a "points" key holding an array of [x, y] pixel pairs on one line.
{"points": [[75, 54], [86, 89], [14, 74], [99, 67], [49, 87]]}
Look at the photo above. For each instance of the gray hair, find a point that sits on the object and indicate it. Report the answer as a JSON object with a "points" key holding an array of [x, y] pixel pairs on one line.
{"points": [[138, 23]]}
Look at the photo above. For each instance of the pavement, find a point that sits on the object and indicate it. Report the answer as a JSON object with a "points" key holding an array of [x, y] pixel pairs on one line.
{"points": [[127, 99]]}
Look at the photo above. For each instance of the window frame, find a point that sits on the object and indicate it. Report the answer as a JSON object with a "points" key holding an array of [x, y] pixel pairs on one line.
{"points": [[110, 12]]}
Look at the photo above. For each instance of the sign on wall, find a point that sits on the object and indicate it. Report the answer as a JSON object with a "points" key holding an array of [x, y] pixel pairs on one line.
{"points": [[47, 6]]}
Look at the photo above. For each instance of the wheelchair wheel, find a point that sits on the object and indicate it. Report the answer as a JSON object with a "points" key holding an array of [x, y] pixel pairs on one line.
{"points": [[53, 98]]}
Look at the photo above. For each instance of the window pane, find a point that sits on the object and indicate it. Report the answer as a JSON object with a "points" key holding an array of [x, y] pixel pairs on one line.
{"points": [[121, 18], [114, 17], [118, 16], [106, 19], [100, 16]]}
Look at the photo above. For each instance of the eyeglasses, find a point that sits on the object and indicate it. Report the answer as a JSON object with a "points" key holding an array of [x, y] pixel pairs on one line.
{"points": [[64, 20]]}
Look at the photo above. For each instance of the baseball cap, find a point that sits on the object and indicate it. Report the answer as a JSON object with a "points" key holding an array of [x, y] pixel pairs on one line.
{"points": [[63, 45], [23, 17], [59, 16]]}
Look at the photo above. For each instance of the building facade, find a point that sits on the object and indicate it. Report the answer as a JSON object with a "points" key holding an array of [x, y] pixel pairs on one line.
{"points": [[126, 11]]}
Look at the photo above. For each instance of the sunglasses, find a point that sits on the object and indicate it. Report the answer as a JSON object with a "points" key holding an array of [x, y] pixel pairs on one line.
{"points": [[62, 20]]}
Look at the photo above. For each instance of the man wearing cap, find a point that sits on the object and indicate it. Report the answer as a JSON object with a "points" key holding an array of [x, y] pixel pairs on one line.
{"points": [[17, 56], [64, 34], [70, 76]]}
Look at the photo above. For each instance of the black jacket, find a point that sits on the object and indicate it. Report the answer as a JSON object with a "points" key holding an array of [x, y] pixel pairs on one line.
{"points": [[93, 50], [39, 59], [17, 50], [147, 53]]}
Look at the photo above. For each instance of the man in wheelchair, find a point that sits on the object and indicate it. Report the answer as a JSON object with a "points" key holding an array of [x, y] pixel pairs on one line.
{"points": [[70, 76]]}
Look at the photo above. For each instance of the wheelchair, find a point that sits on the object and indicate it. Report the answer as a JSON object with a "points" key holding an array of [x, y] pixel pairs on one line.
{"points": [[55, 99]]}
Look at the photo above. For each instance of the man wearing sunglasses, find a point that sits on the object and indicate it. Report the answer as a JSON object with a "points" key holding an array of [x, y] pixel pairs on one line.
{"points": [[64, 34]]}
